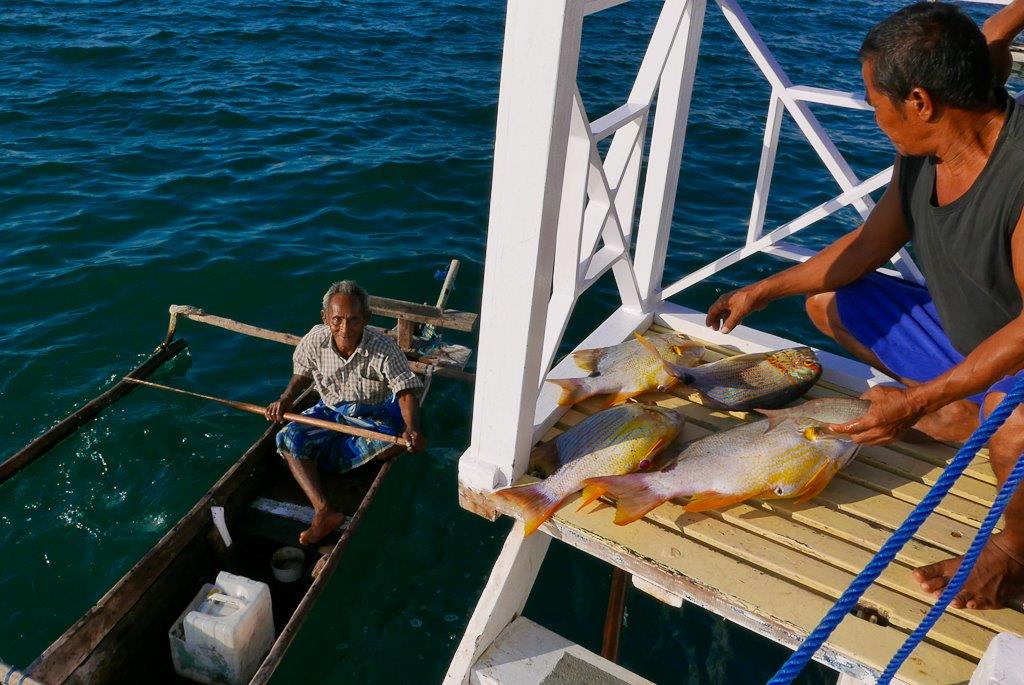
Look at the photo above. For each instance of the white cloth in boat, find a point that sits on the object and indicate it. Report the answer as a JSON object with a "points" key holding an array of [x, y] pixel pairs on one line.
{"points": [[375, 371]]}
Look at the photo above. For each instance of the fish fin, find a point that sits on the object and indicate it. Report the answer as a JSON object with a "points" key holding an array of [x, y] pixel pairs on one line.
{"points": [[709, 499], [671, 369], [589, 494], [544, 458], [573, 390], [775, 418], [534, 503], [587, 360], [633, 498], [619, 398], [821, 478], [656, 448], [819, 430]]}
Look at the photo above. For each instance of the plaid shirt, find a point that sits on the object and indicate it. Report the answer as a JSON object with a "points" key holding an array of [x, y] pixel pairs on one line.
{"points": [[374, 371]]}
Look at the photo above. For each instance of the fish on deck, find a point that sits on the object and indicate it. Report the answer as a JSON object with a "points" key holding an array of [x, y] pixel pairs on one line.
{"points": [[614, 441], [761, 380], [630, 368], [790, 454]]}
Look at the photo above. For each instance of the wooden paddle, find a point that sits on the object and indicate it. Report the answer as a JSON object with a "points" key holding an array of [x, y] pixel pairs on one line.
{"points": [[298, 418]]}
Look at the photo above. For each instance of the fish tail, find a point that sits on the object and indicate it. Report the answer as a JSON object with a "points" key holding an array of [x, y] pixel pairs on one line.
{"points": [[536, 505], [633, 496], [588, 360], [573, 390], [589, 494]]}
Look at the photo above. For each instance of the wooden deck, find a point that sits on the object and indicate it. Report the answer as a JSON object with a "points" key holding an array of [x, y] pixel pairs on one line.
{"points": [[776, 567]]}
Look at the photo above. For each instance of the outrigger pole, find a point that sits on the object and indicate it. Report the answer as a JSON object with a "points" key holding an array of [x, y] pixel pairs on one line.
{"points": [[45, 442], [298, 418]]}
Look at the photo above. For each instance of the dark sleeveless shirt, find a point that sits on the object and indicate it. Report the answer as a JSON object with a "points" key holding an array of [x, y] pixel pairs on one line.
{"points": [[963, 248]]}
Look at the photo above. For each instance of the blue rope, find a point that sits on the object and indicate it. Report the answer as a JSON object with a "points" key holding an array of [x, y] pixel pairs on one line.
{"points": [[796, 662], [960, 577]]}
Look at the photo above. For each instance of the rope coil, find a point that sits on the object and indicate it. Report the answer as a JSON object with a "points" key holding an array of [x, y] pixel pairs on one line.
{"points": [[796, 662]]}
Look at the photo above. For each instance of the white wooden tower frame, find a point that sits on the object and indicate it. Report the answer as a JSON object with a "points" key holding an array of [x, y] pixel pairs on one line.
{"points": [[561, 216]]}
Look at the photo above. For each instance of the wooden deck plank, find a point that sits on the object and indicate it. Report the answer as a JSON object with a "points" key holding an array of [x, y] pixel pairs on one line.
{"points": [[844, 555], [749, 595], [814, 574]]}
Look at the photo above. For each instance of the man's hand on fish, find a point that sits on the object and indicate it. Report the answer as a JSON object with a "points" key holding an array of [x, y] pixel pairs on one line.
{"points": [[892, 412], [732, 307]]}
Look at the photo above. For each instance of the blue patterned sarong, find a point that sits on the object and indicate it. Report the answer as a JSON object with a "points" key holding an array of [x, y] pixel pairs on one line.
{"points": [[336, 452]]}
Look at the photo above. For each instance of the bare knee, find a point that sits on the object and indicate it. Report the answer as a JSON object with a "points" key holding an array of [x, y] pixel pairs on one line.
{"points": [[822, 312], [1008, 442]]}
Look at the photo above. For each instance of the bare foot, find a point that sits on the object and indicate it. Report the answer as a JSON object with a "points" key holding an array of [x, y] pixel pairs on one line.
{"points": [[953, 423], [325, 522], [996, 578]]}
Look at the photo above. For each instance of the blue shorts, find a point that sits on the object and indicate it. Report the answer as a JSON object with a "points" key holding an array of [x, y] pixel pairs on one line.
{"points": [[336, 452], [897, 320]]}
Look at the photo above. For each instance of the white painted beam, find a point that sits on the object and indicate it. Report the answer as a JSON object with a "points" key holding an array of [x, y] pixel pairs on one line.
{"points": [[604, 126], [538, 83], [667, 137], [803, 221], [595, 6], [772, 128], [827, 96], [503, 598]]}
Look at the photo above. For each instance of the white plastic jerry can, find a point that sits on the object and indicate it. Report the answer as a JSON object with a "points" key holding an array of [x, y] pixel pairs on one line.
{"points": [[225, 632]]}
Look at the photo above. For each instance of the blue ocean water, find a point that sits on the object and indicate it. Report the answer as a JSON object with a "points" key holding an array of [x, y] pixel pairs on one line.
{"points": [[239, 156]]}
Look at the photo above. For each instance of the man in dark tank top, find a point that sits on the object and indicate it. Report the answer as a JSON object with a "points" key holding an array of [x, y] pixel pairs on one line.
{"points": [[957, 195]]}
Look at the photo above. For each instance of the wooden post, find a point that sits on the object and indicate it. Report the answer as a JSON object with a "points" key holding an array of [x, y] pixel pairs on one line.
{"points": [[613, 616], [405, 332], [538, 84]]}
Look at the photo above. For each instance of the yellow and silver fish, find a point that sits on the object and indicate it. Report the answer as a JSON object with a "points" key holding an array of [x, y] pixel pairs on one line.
{"points": [[762, 380], [791, 454], [614, 441], [630, 368]]}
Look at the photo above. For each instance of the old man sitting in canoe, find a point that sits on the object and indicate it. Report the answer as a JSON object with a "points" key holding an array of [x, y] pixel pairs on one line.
{"points": [[957, 195], [363, 380]]}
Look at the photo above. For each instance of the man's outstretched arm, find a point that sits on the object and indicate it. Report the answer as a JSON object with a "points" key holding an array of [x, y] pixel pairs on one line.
{"points": [[1000, 29], [858, 252]]}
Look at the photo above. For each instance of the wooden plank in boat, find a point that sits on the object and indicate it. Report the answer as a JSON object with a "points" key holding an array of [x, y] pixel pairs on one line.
{"points": [[423, 313]]}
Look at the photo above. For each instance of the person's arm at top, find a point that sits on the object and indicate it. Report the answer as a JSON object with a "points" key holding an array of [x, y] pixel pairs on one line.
{"points": [[1000, 29], [275, 410], [894, 410], [858, 252]]}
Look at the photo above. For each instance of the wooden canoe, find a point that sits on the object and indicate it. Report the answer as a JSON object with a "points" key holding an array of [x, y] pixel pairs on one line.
{"points": [[123, 638]]}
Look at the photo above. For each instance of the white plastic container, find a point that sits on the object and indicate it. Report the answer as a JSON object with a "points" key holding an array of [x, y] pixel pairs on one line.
{"points": [[224, 633]]}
